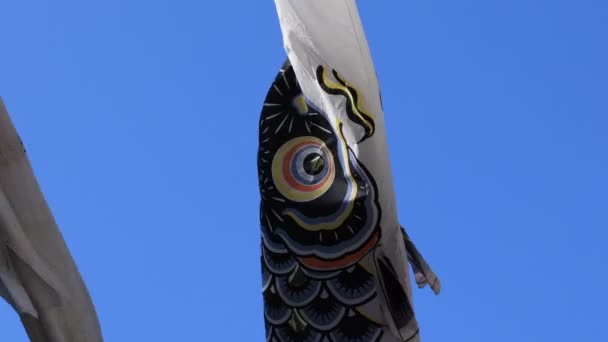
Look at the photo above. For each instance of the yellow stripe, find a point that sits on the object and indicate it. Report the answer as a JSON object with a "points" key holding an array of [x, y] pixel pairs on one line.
{"points": [[357, 107]]}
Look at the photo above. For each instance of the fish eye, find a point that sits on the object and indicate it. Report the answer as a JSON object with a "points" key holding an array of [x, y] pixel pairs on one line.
{"points": [[314, 164], [303, 169]]}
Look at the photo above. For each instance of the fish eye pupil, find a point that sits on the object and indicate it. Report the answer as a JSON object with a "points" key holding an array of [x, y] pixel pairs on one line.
{"points": [[314, 164]]}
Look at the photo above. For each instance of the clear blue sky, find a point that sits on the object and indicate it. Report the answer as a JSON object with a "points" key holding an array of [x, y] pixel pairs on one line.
{"points": [[140, 118]]}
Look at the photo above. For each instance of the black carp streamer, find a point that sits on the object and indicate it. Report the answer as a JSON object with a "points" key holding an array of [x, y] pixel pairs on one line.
{"points": [[319, 219]]}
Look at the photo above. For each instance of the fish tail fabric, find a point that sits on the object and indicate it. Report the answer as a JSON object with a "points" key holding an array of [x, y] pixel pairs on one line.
{"points": [[38, 276], [334, 256]]}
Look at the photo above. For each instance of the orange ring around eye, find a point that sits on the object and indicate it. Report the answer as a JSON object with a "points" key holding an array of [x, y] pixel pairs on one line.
{"points": [[282, 166]]}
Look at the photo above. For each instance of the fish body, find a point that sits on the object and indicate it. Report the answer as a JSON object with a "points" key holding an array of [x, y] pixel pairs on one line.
{"points": [[334, 256]]}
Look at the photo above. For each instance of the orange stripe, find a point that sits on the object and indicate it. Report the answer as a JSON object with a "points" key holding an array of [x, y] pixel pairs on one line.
{"points": [[346, 261]]}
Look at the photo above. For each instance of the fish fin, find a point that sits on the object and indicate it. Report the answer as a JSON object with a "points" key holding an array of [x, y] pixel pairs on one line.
{"points": [[37, 300], [422, 271], [33, 273], [34, 282], [13, 292], [33, 327], [397, 304]]}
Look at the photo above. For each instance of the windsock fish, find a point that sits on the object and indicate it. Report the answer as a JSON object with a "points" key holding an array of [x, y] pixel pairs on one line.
{"points": [[334, 256], [38, 276]]}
